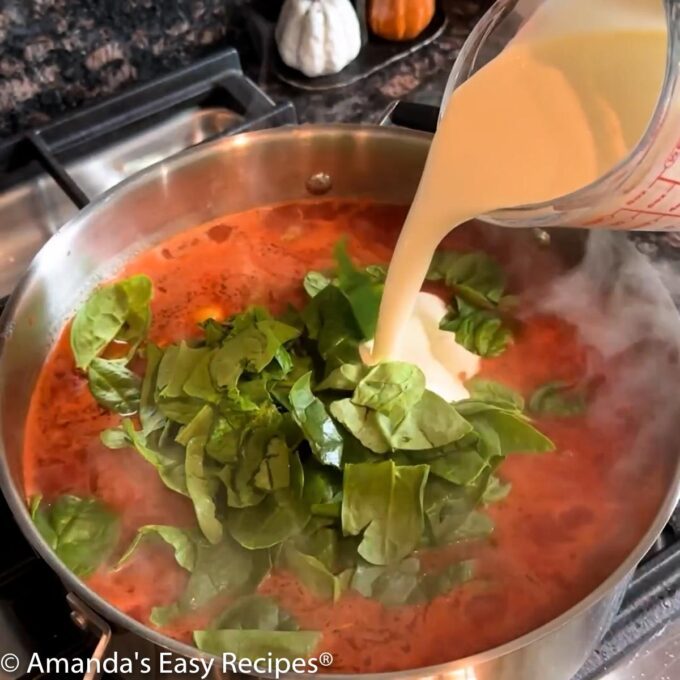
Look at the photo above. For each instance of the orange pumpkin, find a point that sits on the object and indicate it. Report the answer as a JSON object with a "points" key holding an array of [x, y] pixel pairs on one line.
{"points": [[399, 19]]}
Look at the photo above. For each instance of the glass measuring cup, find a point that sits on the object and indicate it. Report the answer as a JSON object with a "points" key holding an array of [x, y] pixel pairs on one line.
{"points": [[642, 191]]}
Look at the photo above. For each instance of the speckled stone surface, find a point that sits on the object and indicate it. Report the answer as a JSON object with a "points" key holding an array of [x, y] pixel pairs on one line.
{"points": [[56, 55]]}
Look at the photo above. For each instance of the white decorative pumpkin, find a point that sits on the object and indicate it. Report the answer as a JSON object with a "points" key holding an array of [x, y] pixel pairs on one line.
{"points": [[318, 37]]}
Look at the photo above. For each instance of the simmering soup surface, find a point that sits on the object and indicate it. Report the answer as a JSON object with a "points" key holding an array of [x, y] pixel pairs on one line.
{"points": [[566, 524]]}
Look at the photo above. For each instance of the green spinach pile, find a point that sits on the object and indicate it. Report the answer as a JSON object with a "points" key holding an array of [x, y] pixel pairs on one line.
{"points": [[294, 453]]}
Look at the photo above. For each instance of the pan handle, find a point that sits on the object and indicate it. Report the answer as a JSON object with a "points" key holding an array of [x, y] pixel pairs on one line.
{"points": [[88, 620], [412, 115]]}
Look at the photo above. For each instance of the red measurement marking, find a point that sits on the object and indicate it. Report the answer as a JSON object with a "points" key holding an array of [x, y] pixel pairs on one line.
{"points": [[660, 198], [649, 223], [637, 197], [666, 179], [650, 212], [616, 220], [673, 156]]}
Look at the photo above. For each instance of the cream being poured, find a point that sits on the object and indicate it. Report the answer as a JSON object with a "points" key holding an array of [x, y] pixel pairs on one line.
{"points": [[560, 106]]}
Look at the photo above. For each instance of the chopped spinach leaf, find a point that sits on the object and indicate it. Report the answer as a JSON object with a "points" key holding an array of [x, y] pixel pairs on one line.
{"points": [[506, 432], [255, 612], [114, 438], [214, 332], [322, 490], [557, 399], [391, 387], [254, 446], [199, 384], [315, 423], [451, 516], [479, 331], [182, 542], [361, 290], [478, 284], [315, 282], [495, 490], [200, 426], [279, 516], [202, 489], [493, 392], [254, 342], [330, 322], [458, 465], [82, 531], [314, 574], [225, 569], [392, 585], [385, 501], [274, 470], [344, 378], [431, 422], [406, 583], [363, 423], [470, 274], [150, 416], [169, 462], [116, 312], [258, 644], [435, 583], [114, 386], [175, 368]]}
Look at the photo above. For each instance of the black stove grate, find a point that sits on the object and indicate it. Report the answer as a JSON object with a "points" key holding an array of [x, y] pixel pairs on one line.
{"points": [[217, 81]]}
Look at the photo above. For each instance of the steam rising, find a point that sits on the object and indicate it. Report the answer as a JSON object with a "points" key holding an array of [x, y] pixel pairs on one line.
{"points": [[637, 305], [622, 304]]}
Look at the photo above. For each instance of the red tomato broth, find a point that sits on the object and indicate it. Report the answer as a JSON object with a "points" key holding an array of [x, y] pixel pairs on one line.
{"points": [[566, 525]]}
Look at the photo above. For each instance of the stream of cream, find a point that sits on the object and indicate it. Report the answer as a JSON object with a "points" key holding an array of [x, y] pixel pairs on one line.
{"points": [[565, 101]]}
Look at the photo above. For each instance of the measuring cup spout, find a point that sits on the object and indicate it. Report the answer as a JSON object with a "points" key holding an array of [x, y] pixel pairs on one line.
{"points": [[641, 191]]}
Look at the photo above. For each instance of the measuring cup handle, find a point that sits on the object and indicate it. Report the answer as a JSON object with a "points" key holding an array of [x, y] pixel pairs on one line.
{"points": [[411, 115]]}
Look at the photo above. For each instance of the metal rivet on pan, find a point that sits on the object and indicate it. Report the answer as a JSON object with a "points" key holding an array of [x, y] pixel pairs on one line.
{"points": [[79, 620], [319, 183], [542, 236]]}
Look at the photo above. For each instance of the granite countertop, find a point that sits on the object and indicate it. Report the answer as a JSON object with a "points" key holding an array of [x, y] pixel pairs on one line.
{"points": [[57, 55]]}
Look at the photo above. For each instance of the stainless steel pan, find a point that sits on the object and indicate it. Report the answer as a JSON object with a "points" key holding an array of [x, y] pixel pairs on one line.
{"points": [[203, 183]]}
